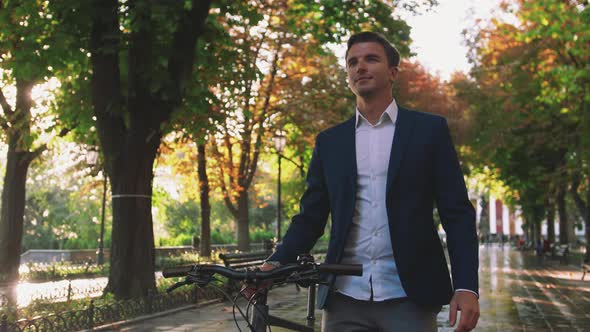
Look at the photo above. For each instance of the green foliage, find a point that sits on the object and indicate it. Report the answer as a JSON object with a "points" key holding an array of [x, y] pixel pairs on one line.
{"points": [[62, 271], [263, 215], [179, 240], [259, 235], [185, 259], [219, 237], [63, 209], [181, 218], [527, 99]]}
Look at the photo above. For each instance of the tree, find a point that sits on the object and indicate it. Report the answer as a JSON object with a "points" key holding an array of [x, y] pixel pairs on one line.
{"points": [[138, 80], [252, 103], [416, 88], [31, 46], [529, 103]]}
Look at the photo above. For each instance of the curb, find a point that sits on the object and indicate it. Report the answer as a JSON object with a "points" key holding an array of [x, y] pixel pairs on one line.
{"points": [[118, 325]]}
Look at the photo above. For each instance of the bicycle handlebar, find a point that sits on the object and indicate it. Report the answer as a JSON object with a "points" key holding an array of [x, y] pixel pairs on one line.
{"points": [[177, 271], [285, 270]]}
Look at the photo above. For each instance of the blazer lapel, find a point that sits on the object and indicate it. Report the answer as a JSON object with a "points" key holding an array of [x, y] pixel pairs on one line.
{"points": [[348, 143], [404, 125]]}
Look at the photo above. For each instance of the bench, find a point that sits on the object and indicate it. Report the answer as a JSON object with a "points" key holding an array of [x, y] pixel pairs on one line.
{"points": [[244, 260], [559, 251], [252, 259], [585, 268]]}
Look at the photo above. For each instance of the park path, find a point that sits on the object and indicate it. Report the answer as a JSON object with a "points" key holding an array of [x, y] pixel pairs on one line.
{"points": [[519, 292]]}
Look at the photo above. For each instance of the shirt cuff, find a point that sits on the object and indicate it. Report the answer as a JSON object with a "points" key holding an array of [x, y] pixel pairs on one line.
{"points": [[273, 263], [466, 290]]}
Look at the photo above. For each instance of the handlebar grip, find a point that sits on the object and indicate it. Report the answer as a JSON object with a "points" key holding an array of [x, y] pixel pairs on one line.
{"points": [[342, 269], [177, 271]]}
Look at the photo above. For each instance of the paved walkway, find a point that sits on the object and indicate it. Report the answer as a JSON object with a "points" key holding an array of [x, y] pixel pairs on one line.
{"points": [[519, 292]]}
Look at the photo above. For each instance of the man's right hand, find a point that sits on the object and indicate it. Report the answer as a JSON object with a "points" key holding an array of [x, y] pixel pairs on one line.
{"points": [[267, 267], [248, 290]]}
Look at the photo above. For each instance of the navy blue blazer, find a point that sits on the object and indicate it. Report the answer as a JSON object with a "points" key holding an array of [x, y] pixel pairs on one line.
{"points": [[423, 171]]}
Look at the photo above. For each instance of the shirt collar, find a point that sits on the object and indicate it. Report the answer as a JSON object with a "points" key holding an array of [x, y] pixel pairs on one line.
{"points": [[391, 112]]}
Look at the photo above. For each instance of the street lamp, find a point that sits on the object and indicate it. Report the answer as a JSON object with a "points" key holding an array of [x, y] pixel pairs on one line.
{"points": [[280, 140], [92, 159]]}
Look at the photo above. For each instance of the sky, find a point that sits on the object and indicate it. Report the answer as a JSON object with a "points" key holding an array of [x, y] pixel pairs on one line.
{"points": [[437, 39]]}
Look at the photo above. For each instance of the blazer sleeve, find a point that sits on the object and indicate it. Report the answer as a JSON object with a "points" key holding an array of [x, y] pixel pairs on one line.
{"points": [[456, 212], [308, 225]]}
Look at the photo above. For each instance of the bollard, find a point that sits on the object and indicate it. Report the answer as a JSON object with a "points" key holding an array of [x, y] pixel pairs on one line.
{"points": [[195, 294], [91, 315], [149, 301], [69, 296], [4, 324]]}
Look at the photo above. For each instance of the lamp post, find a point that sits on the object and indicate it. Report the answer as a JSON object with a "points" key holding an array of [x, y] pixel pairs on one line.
{"points": [[280, 140], [92, 159]]}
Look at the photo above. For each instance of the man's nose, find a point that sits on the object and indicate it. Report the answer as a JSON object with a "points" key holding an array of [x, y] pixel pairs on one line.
{"points": [[361, 67]]}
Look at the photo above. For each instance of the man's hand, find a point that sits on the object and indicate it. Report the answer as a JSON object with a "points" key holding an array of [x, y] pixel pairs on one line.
{"points": [[467, 303], [249, 290]]}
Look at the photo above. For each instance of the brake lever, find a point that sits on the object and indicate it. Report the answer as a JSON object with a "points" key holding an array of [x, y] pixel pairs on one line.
{"points": [[201, 279], [178, 284]]}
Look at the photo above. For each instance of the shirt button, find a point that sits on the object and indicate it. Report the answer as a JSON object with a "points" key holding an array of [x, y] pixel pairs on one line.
{"points": [[374, 262], [374, 204]]}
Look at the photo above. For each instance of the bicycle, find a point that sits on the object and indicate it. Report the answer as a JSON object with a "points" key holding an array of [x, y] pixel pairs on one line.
{"points": [[305, 273]]}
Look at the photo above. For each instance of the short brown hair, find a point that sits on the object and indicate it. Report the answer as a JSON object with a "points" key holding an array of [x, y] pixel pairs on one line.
{"points": [[393, 56]]}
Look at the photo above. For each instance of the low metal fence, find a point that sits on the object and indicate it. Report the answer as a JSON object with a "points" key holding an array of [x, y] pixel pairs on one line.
{"points": [[95, 316]]}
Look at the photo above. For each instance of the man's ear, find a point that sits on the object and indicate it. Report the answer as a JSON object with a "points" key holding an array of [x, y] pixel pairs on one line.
{"points": [[393, 71]]}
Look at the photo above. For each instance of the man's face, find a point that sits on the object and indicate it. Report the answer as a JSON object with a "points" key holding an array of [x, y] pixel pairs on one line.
{"points": [[369, 72]]}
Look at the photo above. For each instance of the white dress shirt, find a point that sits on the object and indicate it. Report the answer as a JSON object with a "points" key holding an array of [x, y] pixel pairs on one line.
{"points": [[369, 242]]}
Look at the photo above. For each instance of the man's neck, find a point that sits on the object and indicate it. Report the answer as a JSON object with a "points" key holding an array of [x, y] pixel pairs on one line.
{"points": [[373, 108]]}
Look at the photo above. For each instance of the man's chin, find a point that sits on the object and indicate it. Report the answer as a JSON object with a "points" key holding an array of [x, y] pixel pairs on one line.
{"points": [[365, 92]]}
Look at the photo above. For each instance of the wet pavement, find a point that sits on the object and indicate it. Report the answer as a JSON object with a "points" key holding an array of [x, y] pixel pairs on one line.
{"points": [[519, 292]]}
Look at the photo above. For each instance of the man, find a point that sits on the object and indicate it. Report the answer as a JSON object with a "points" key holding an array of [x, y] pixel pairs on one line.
{"points": [[379, 175]]}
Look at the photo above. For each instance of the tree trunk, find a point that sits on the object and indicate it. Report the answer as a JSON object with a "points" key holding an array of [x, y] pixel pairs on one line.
{"points": [[562, 212], [132, 255], [537, 219], [584, 208], [587, 220], [484, 216], [13, 208], [550, 220], [18, 160], [243, 222], [205, 246]]}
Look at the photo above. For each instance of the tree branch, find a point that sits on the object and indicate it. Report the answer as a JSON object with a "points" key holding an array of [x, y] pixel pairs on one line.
{"points": [[226, 197], [573, 58], [298, 165], [139, 72], [106, 80], [190, 26], [4, 124], [230, 155], [251, 170], [5, 106], [30, 156]]}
